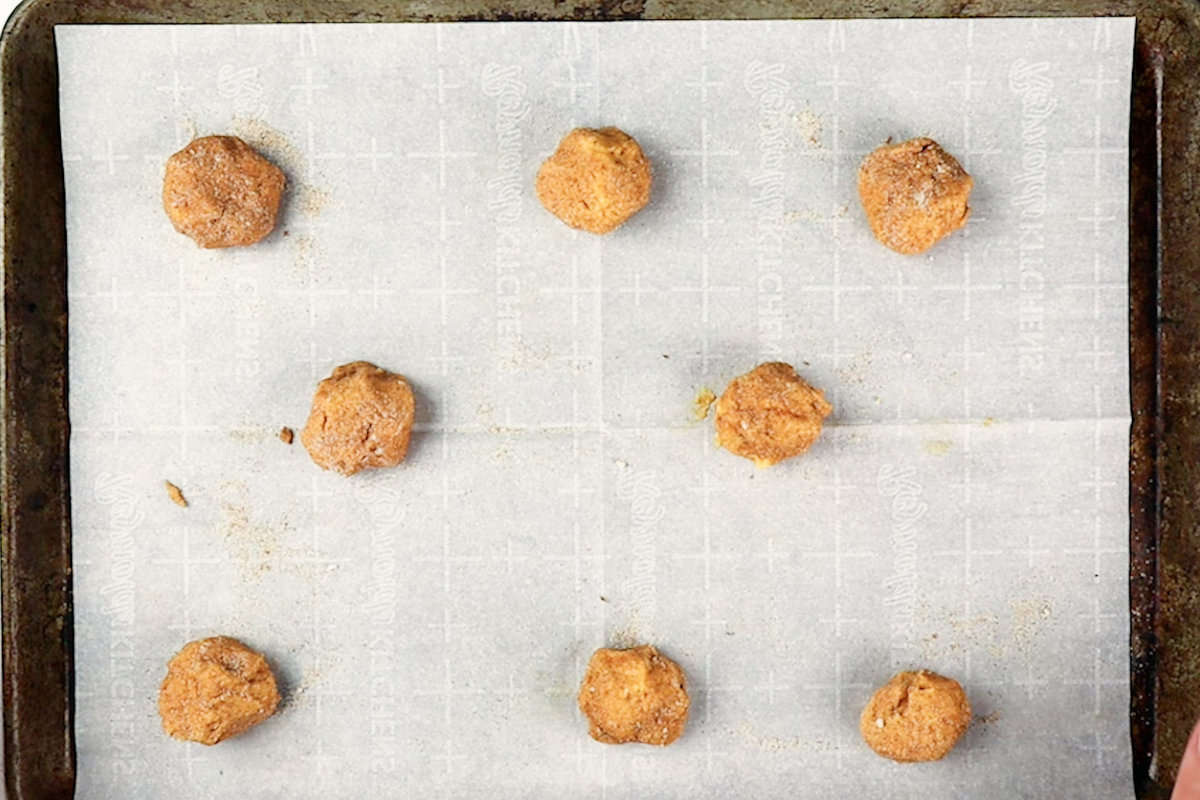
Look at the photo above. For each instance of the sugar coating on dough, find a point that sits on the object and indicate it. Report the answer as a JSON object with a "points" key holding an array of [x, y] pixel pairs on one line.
{"points": [[216, 688], [596, 180], [361, 418], [916, 716], [221, 192], [770, 414], [914, 193], [635, 695]]}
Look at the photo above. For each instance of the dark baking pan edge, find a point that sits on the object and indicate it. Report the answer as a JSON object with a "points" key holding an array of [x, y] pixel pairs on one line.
{"points": [[1164, 318]]}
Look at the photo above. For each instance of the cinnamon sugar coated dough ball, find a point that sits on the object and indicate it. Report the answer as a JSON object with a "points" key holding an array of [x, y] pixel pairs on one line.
{"points": [[216, 688], [596, 180], [916, 716], [361, 418], [222, 193], [636, 695], [770, 414], [914, 193]]}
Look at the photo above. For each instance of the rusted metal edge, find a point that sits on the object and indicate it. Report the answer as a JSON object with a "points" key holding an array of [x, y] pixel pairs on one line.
{"points": [[35, 542], [1145, 269]]}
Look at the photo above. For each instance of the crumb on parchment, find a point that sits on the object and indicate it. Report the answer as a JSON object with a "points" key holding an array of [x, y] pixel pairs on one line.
{"points": [[286, 435], [176, 495]]}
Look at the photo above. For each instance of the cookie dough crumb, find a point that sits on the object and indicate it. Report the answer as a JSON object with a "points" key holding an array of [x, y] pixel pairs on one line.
{"points": [[361, 418], [596, 180], [914, 193], [702, 403], [770, 414], [916, 716], [216, 688], [176, 494], [222, 193], [286, 435], [635, 695]]}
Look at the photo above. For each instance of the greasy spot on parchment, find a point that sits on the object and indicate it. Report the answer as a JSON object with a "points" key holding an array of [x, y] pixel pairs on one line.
{"points": [[749, 735], [810, 127], [702, 403], [250, 434], [937, 447]]}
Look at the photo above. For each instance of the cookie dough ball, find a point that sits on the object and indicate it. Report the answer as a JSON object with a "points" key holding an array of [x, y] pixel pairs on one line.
{"points": [[216, 688], [596, 179], [914, 193], [917, 716], [636, 695], [770, 414], [361, 418], [222, 193]]}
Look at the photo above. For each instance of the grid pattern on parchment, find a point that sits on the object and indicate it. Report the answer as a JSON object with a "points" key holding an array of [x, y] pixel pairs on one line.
{"points": [[964, 511]]}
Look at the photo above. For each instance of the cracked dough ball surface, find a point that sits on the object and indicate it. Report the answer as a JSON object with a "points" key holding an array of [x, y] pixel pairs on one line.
{"points": [[361, 418], [914, 193], [596, 180], [916, 716], [635, 695], [770, 414], [216, 688], [222, 193]]}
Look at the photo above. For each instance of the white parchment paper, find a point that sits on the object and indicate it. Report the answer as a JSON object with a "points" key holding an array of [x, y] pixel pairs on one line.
{"points": [[965, 510]]}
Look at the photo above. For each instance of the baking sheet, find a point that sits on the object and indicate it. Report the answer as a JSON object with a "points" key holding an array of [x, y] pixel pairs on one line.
{"points": [[965, 510]]}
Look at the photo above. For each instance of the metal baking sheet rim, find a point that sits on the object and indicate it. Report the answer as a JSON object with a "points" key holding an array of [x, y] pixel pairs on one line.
{"points": [[35, 540]]}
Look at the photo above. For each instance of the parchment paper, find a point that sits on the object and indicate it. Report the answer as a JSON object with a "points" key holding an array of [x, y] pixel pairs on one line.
{"points": [[965, 510]]}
